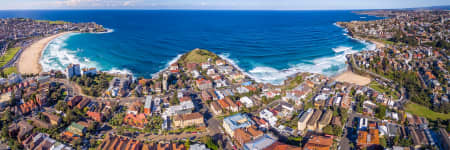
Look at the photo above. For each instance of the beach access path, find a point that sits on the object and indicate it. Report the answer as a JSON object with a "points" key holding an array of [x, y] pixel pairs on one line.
{"points": [[28, 62]]}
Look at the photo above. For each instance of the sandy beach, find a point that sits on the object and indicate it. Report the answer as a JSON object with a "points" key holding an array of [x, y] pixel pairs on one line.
{"points": [[29, 59], [351, 77]]}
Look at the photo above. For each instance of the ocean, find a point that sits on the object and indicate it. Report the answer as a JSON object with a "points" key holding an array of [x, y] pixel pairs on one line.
{"points": [[267, 45]]}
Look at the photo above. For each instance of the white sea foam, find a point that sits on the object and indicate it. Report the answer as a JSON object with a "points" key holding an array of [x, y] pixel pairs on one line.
{"points": [[325, 65], [108, 30], [56, 57], [167, 65], [341, 49], [115, 70]]}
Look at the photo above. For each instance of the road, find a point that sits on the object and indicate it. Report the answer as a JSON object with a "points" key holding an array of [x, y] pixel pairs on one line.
{"points": [[76, 89], [369, 72]]}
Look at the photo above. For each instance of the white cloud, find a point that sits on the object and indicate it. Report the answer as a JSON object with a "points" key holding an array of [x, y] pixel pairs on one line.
{"points": [[128, 3]]}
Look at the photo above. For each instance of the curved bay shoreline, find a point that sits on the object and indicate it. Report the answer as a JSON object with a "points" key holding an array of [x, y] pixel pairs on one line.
{"points": [[28, 62]]}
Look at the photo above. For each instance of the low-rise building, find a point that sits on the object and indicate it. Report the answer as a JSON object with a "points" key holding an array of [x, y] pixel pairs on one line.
{"points": [[76, 129], [312, 123], [302, 122], [216, 109], [244, 135], [319, 143], [325, 119], [236, 121], [186, 120]]}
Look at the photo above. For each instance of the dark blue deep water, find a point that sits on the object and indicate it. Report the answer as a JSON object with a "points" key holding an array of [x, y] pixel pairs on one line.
{"points": [[268, 45]]}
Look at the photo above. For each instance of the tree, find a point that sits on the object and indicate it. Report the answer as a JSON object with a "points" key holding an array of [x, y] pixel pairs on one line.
{"points": [[187, 143], [7, 116], [209, 142], [383, 141], [174, 100], [380, 111], [61, 106], [5, 131], [328, 130]]}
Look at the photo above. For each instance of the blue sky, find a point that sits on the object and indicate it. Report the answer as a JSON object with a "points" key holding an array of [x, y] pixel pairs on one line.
{"points": [[219, 4]]}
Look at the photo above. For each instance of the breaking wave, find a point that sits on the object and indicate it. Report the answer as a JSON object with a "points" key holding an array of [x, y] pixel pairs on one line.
{"points": [[328, 66], [56, 57]]}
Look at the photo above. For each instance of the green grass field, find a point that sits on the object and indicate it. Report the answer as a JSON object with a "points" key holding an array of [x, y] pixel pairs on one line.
{"points": [[380, 88], [423, 111], [10, 70], [52, 22], [8, 55], [197, 56]]}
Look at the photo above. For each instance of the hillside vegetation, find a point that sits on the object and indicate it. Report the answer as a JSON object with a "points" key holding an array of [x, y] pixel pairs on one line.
{"points": [[197, 56], [423, 111]]}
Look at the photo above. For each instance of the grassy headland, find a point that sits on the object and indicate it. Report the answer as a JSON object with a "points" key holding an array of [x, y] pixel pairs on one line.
{"points": [[197, 56], [423, 111]]}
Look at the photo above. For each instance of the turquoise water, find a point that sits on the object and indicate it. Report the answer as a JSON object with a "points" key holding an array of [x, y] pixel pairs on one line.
{"points": [[267, 45]]}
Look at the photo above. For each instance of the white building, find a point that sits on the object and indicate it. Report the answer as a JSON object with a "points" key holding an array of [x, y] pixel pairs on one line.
{"points": [[268, 115], [246, 101], [73, 70]]}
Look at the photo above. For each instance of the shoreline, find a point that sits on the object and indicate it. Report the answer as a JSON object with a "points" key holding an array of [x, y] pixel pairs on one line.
{"points": [[348, 75], [29, 60]]}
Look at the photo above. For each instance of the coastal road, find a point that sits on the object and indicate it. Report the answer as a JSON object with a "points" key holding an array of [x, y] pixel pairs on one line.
{"points": [[369, 72]]}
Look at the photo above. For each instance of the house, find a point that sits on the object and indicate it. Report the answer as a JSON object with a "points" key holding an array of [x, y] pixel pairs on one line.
{"points": [[74, 101], [233, 106], [115, 142], [319, 143], [20, 130], [40, 123], [76, 129], [186, 120], [43, 141], [246, 101], [368, 139], [282, 146], [83, 103], [236, 121], [268, 116], [54, 119], [134, 108], [244, 135], [205, 96], [174, 67], [97, 116], [302, 122], [215, 107], [220, 62], [203, 84], [138, 120], [260, 143]]}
